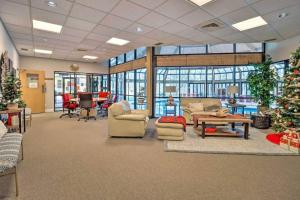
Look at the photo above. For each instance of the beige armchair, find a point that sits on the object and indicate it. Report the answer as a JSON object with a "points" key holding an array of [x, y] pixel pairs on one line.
{"points": [[210, 107], [123, 122]]}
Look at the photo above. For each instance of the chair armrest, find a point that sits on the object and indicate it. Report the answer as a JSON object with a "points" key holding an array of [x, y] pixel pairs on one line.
{"points": [[131, 117], [144, 112]]}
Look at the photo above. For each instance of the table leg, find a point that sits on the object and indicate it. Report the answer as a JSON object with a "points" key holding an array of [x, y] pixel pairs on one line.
{"points": [[203, 130], [233, 126], [24, 122], [243, 110], [20, 122], [246, 131]]}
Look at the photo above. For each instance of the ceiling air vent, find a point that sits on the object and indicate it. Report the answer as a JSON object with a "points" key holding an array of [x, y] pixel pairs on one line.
{"points": [[270, 40], [82, 50], [158, 44], [24, 49], [211, 25]]}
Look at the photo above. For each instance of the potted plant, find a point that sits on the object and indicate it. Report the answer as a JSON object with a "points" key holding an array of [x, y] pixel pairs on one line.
{"points": [[11, 91], [262, 82]]}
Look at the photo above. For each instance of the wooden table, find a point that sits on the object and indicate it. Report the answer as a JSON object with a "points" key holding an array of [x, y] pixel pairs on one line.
{"points": [[19, 112], [234, 107], [203, 119]]}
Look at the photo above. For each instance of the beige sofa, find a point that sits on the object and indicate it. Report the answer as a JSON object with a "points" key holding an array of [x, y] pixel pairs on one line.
{"points": [[210, 107], [123, 122]]}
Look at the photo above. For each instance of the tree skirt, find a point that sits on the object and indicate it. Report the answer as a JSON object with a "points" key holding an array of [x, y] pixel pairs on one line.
{"points": [[274, 137]]}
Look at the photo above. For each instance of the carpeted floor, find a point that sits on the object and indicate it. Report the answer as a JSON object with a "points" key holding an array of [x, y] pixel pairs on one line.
{"points": [[66, 159]]}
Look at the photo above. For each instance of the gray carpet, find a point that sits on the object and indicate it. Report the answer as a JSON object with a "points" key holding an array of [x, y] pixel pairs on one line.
{"points": [[256, 144], [70, 160]]}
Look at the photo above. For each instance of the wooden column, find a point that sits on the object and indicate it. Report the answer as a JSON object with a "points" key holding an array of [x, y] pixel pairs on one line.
{"points": [[149, 67]]}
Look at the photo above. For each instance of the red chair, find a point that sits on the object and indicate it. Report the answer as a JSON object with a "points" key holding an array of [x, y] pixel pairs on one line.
{"points": [[103, 94], [69, 105]]}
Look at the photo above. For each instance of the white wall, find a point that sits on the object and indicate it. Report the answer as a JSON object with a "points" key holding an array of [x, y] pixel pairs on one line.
{"points": [[7, 45], [282, 50], [51, 65]]}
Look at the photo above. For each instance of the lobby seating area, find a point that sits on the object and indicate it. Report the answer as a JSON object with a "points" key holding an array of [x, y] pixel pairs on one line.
{"points": [[137, 99]]}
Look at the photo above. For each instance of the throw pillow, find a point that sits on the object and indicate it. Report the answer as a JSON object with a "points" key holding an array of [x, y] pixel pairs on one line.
{"points": [[3, 129], [196, 107], [116, 109], [213, 108], [126, 107]]}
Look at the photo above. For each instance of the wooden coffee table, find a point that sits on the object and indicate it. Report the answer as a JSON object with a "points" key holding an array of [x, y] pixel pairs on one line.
{"points": [[206, 119]]}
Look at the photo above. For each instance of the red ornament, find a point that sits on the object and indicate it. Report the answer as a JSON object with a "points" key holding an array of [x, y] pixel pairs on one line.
{"points": [[296, 71], [286, 106]]}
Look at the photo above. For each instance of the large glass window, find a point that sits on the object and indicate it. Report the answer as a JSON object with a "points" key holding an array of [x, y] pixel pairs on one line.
{"points": [[121, 86], [140, 52], [220, 48], [193, 82], [113, 61], [130, 56], [130, 88], [166, 50], [193, 49], [121, 59], [113, 84], [279, 67], [141, 86], [249, 47]]}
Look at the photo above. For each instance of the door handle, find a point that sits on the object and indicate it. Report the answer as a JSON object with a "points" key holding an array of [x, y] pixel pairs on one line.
{"points": [[43, 88]]}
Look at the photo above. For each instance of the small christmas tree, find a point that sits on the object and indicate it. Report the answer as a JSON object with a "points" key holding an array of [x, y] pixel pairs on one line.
{"points": [[287, 115], [11, 89]]}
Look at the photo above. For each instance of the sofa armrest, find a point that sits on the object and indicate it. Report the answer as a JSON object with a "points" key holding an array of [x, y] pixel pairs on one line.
{"points": [[144, 112], [186, 109], [131, 117]]}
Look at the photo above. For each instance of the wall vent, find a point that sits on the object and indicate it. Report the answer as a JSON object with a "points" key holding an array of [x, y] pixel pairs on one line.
{"points": [[158, 44], [81, 50], [270, 40], [24, 49]]}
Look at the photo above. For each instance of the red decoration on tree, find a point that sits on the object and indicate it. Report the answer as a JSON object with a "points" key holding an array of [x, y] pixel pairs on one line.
{"points": [[296, 71]]}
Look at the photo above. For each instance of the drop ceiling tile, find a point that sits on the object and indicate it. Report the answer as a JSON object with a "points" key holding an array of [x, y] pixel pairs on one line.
{"points": [[15, 20], [144, 29], [58, 56], [204, 38], [148, 3], [45, 34], [74, 32], [219, 8], [18, 29], [85, 13], [104, 5], [173, 27], [175, 8], [191, 33], [127, 36], [292, 12], [89, 44], [62, 6], [39, 55], [25, 2], [79, 24], [21, 36], [195, 17], [116, 22], [129, 10], [288, 27], [157, 34], [98, 37], [263, 33], [70, 38], [14, 9], [239, 15], [104, 30], [154, 19], [46, 16], [224, 31], [26, 53], [267, 6], [238, 37]]}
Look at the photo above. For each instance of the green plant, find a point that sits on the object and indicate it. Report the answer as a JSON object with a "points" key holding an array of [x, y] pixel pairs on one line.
{"points": [[21, 103], [11, 89], [262, 82]]}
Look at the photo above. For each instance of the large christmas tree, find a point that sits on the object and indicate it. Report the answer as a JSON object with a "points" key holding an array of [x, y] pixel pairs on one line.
{"points": [[287, 115]]}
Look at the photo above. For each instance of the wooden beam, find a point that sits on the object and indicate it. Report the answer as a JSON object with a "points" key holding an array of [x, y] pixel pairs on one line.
{"points": [[131, 65], [149, 91]]}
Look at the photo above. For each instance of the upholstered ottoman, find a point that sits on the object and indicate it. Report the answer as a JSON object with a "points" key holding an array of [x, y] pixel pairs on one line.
{"points": [[169, 131]]}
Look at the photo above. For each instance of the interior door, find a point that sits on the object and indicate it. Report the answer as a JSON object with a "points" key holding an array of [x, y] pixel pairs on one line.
{"points": [[33, 89]]}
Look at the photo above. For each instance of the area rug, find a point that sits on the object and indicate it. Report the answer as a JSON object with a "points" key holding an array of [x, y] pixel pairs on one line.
{"points": [[255, 145]]}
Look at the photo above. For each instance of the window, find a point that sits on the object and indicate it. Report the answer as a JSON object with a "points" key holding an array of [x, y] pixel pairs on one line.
{"points": [[249, 47], [166, 50], [113, 62], [121, 59], [113, 84], [121, 86], [141, 86], [193, 49], [140, 52], [130, 88], [220, 48], [130, 56]]}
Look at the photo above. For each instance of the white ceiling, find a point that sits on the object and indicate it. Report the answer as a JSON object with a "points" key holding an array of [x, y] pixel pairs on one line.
{"points": [[88, 24]]}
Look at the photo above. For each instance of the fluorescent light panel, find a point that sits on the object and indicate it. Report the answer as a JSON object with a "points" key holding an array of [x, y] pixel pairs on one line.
{"points": [[90, 57], [45, 26], [42, 51], [117, 41], [200, 2], [250, 23]]}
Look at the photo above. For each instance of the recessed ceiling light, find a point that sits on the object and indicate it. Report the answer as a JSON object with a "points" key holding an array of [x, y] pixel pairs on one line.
{"points": [[90, 57], [250, 23], [139, 29], [42, 51], [117, 41], [51, 4], [45, 26], [283, 15], [200, 2]]}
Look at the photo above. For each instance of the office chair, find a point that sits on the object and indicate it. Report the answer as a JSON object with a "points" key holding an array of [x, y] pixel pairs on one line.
{"points": [[86, 102], [69, 105], [107, 104]]}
